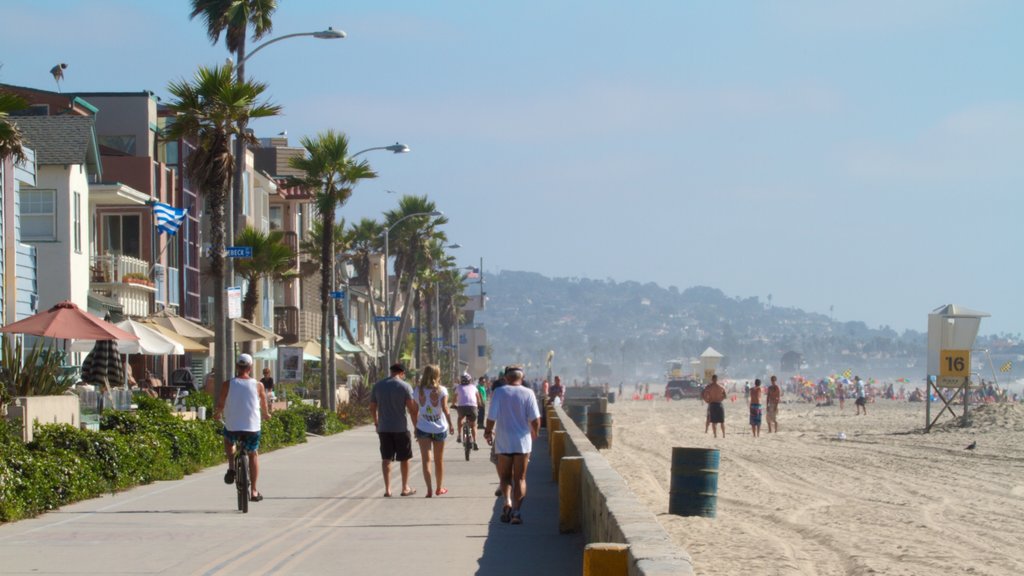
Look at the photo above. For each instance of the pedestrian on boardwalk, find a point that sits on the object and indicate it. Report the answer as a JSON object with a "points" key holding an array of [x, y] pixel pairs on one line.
{"points": [[516, 416], [755, 408], [714, 394], [774, 397], [556, 393], [481, 413], [390, 401], [433, 424], [862, 396]]}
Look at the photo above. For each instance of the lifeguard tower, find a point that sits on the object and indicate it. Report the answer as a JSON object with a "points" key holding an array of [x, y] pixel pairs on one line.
{"points": [[709, 360], [952, 330]]}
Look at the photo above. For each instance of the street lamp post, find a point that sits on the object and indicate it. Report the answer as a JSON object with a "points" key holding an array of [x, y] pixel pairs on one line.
{"points": [[224, 345], [387, 293], [331, 361]]}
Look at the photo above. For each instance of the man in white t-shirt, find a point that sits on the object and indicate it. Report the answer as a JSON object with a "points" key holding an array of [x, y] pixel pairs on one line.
{"points": [[243, 403], [516, 417]]}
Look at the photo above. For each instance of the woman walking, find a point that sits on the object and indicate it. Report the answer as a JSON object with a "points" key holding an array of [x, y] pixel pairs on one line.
{"points": [[433, 424]]}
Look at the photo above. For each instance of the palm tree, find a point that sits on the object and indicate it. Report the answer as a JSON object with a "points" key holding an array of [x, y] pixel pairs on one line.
{"points": [[329, 170], [208, 111], [410, 239], [10, 136], [233, 18], [271, 258]]}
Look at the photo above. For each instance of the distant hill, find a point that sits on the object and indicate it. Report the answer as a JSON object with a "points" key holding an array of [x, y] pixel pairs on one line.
{"points": [[629, 330]]}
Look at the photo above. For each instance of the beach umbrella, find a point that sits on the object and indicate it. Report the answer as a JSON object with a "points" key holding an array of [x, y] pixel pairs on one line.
{"points": [[66, 320], [181, 326], [271, 354], [102, 366], [144, 340]]}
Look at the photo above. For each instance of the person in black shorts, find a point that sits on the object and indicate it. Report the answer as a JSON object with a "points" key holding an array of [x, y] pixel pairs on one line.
{"points": [[267, 381], [390, 401]]}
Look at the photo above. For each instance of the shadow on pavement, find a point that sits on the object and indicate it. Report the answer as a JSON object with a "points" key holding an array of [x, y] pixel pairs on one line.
{"points": [[535, 546]]}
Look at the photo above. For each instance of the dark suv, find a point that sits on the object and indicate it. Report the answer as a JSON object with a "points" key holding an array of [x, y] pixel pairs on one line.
{"points": [[679, 389]]}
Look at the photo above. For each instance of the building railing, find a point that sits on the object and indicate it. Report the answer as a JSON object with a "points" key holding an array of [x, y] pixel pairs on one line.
{"points": [[111, 268], [294, 325]]}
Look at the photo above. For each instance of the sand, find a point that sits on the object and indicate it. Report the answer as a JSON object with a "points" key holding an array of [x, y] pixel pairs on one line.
{"points": [[886, 500]]}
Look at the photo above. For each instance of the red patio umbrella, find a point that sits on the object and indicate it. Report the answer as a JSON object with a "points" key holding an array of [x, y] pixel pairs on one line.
{"points": [[66, 320]]}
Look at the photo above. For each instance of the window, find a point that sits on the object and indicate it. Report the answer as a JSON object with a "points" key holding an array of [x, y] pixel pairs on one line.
{"points": [[124, 143], [77, 222], [121, 234], [276, 218], [39, 215]]}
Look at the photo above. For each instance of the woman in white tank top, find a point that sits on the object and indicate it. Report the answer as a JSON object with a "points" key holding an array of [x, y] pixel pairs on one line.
{"points": [[433, 424]]}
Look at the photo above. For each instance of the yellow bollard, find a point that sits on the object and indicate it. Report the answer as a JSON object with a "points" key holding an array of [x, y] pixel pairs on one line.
{"points": [[605, 559], [569, 472], [554, 425], [557, 452]]}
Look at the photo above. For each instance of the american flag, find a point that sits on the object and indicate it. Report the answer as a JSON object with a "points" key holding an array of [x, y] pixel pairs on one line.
{"points": [[472, 272], [168, 218]]}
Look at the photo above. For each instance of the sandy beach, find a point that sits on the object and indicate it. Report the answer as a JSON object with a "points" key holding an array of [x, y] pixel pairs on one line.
{"points": [[886, 500]]}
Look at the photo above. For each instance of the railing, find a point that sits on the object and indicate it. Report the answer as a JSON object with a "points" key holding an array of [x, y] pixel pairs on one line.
{"points": [[294, 325], [291, 240], [111, 268]]}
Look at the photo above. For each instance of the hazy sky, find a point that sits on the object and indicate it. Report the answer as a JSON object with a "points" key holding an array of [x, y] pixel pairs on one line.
{"points": [[865, 155]]}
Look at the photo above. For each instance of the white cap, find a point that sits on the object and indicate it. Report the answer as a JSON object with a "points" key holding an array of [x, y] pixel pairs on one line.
{"points": [[244, 360]]}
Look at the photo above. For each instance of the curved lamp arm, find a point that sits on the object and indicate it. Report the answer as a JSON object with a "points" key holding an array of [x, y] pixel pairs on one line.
{"points": [[329, 34]]}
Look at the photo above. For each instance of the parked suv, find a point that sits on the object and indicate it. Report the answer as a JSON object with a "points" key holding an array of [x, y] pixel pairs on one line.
{"points": [[679, 389]]}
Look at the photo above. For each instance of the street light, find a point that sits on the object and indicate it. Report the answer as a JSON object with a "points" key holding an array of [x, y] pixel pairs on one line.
{"points": [[224, 346], [332, 336], [387, 294]]}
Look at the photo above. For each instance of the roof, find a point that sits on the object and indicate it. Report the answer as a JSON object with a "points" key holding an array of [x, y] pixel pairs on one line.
{"points": [[64, 139]]}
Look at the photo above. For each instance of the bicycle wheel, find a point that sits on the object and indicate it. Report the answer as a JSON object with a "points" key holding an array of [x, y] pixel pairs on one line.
{"points": [[242, 480], [467, 440]]}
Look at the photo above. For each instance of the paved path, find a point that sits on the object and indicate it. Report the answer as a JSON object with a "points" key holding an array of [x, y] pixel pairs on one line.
{"points": [[323, 513]]}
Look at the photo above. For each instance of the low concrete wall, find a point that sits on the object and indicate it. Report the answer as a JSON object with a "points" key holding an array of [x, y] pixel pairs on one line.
{"points": [[44, 410], [611, 513]]}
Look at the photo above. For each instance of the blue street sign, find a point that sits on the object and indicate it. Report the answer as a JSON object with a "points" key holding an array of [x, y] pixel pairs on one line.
{"points": [[338, 294], [439, 339], [387, 318], [238, 252], [414, 330]]}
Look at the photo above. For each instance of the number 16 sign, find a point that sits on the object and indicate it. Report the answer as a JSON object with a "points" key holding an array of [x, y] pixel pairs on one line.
{"points": [[955, 363]]}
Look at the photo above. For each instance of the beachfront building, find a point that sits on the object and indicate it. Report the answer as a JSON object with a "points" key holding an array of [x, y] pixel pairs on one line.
{"points": [[19, 295]]}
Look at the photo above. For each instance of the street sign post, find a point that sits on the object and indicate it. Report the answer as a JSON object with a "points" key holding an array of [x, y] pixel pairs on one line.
{"points": [[338, 294], [387, 318]]}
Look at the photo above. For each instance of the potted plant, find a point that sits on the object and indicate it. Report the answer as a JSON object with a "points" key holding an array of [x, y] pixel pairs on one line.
{"points": [[137, 278]]}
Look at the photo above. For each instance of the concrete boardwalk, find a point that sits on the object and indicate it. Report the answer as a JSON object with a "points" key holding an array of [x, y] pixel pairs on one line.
{"points": [[323, 513]]}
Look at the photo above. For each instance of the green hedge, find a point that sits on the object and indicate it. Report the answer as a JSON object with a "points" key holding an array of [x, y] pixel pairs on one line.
{"points": [[64, 464]]}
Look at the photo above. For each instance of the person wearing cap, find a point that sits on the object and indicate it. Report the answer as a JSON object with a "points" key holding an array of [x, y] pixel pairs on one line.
{"points": [[243, 404], [516, 416], [390, 401], [467, 402]]}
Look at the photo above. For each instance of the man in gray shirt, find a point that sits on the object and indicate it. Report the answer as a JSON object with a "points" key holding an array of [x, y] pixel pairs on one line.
{"points": [[390, 401]]}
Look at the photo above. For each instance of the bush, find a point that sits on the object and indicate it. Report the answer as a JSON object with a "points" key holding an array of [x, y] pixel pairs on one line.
{"points": [[63, 464], [199, 399]]}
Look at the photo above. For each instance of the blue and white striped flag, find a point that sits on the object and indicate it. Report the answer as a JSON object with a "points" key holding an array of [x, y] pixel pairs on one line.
{"points": [[168, 218]]}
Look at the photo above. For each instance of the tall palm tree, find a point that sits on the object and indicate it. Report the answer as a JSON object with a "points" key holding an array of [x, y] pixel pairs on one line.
{"points": [[10, 136], [208, 111], [233, 18], [410, 239], [271, 258], [330, 171]]}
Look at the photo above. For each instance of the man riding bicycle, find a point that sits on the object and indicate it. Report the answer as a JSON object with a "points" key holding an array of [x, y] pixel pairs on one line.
{"points": [[467, 401], [243, 403]]}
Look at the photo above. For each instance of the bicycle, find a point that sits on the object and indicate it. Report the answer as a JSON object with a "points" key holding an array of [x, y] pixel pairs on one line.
{"points": [[242, 478], [467, 435]]}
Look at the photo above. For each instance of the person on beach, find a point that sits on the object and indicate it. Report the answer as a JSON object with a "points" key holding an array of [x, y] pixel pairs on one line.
{"points": [[714, 395], [862, 396], [755, 408], [774, 397], [841, 394], [467, 401], [515, 413], [390, 401], [433, 424]]}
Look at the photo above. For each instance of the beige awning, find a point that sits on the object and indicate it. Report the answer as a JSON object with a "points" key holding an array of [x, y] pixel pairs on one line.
{"points": [[245, 331], [189, 344], [182, 326]]}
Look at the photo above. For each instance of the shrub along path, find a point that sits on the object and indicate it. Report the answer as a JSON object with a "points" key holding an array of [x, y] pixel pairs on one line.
{"points": [[323, 513]]}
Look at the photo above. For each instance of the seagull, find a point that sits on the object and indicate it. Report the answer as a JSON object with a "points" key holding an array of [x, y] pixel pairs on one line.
{"points": [[972, 446], [58, 73]]}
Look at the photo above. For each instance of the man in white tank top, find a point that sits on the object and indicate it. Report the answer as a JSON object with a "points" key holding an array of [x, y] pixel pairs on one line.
{"points": [[243, 404]]}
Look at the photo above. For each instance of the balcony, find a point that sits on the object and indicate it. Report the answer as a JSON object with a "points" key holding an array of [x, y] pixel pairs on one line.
{"points": [[291, 240], [295, 326], [125, 279]]}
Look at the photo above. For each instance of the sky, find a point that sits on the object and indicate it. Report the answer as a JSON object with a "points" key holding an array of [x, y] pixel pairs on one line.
{"points": [[855, 157]]}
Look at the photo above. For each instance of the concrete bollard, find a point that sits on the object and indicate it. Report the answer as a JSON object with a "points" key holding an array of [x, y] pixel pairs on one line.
{"points": [[554, 425], [606, 559], [557, 453], [569, 473]]}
